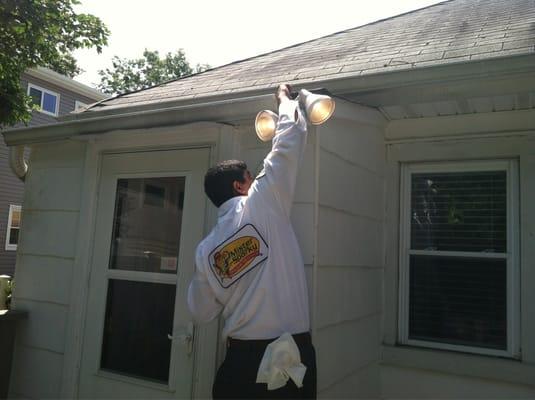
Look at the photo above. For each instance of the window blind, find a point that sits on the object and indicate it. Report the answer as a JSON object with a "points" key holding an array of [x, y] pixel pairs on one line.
{"points": [[458, 298], [461, 211]]}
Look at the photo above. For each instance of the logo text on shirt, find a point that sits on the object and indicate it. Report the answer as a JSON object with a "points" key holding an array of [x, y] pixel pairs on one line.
{"points": [[237, 255]]}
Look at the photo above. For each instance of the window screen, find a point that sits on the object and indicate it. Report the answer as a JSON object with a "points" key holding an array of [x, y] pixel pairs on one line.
{"points": [[457, 258], [461, 211]]}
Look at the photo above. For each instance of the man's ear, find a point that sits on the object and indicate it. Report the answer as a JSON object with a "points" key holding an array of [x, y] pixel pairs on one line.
{"points": [[238, 187]]}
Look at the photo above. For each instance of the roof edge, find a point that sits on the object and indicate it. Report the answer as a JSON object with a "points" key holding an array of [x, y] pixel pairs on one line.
{"points": [[224, 111], [244, 104], [350, 83]]}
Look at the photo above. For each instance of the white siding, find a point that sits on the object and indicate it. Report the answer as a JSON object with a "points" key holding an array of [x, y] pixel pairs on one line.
{"points": [[350, 253], [44, 267]]}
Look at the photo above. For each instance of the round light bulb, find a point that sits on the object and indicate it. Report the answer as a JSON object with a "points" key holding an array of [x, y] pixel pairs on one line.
{"points": [[321, 110], [266, 125]]}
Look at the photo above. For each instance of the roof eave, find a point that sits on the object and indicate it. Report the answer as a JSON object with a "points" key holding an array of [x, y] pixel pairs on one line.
{"points": [[244, 104], [354, 82], [223, 111]]}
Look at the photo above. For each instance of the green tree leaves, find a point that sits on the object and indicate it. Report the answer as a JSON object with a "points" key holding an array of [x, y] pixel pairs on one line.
{"points": [[127, 75], [40, 33]]}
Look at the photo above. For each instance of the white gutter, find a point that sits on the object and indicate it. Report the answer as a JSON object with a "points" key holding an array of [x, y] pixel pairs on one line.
{"points": [[17, 163], [223, 111]]}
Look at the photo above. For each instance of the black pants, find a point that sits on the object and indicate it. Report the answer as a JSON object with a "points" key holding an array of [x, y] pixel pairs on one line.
{"points": [[236, 378]]}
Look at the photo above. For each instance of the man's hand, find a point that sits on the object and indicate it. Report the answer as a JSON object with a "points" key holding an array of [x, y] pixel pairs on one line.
{"points": [[283, 93]]}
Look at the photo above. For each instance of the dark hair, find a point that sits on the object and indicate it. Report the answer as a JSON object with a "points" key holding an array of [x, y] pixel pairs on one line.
{"points": [[219, 179]]}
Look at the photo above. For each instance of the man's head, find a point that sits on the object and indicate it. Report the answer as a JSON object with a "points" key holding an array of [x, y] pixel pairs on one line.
{"points": [[226, 180]]}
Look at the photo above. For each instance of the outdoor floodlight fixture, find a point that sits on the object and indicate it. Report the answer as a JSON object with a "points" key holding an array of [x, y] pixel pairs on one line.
{"points": [[266, 124], [318, 108]]}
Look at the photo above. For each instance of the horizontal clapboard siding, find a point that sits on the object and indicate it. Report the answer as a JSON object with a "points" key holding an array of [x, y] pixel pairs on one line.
{"points": [[11, 192]]}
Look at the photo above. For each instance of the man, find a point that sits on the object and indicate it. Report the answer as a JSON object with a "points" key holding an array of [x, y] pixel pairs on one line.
{"points": [[250, 266]]}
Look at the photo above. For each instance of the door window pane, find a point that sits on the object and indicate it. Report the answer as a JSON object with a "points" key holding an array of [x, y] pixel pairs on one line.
{"points": [[139, 316], [147, 224]]}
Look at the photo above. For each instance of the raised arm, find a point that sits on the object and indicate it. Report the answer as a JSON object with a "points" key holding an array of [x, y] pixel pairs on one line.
{"points": [[278, 178]]}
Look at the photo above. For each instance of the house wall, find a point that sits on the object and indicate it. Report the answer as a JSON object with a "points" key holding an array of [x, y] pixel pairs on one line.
{"points": [[11, 189], [411, 372], [67, 99], [45, 260], [348, 294]]}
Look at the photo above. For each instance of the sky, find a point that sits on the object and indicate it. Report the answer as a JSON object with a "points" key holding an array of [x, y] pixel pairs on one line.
{"points": [[219, 32]]}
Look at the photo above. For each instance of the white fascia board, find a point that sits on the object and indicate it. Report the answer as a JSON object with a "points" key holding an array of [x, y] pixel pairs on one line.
{"points": [[53, 77]]}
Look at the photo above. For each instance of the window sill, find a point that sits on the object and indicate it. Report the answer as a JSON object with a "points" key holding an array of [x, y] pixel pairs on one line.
{"points": [[46, 112], [477, 366]]}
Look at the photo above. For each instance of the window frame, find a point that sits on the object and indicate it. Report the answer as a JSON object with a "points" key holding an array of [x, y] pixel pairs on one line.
{"points": [[511, 255], [43, 91], [12, 209]]}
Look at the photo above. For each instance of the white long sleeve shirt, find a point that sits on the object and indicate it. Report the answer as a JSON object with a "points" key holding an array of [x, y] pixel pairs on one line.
{"points": [[250, 266]]}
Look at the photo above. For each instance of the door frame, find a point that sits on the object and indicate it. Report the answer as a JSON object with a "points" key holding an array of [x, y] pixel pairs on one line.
{"points": [[222, 142]]}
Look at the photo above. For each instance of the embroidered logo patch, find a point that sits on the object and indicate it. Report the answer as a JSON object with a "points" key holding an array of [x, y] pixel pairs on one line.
{"points": [[237, 255]]}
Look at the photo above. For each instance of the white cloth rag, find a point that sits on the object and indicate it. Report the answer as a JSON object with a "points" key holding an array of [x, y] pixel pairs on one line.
{"points": [[281, 361]]}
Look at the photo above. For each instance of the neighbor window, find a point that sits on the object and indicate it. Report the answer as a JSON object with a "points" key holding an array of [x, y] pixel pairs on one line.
{"points": [[79, 105], [46, 100], [13, 227], [458, 258]]}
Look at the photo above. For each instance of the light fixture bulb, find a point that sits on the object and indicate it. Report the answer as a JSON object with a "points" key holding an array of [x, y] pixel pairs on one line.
{"points": [[318, 107], [266, 125]]}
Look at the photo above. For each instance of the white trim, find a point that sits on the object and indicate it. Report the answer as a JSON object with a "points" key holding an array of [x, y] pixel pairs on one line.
{"points": [[12, 208], [511, 256], [474, 254], [141, 276], [457, 347], [43, 91]]}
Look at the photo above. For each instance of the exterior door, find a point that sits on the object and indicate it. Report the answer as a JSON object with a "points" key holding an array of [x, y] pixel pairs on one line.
{"points": [[138, 335]]}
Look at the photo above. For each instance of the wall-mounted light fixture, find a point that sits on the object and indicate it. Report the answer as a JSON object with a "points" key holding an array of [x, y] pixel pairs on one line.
{"points": [[318, 108]]}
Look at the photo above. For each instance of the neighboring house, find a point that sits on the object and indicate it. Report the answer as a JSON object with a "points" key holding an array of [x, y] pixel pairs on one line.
{"points": [[415, 212], [56, 95]]}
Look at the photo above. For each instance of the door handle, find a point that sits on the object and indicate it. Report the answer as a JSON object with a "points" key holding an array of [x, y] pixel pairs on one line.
{"points": [[185, 338]]}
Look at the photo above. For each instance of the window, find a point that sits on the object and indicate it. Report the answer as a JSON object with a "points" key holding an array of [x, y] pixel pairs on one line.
{"points": [[47, 101], [13, 226], [79, 105], [458, 257]]}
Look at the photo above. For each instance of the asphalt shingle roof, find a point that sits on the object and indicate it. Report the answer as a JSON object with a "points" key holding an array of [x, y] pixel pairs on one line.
{"points": [[448, 32]]}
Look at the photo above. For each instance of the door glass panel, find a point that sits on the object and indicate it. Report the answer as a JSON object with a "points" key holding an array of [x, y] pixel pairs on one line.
{"points": [[139, 315], [147, 223]]}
